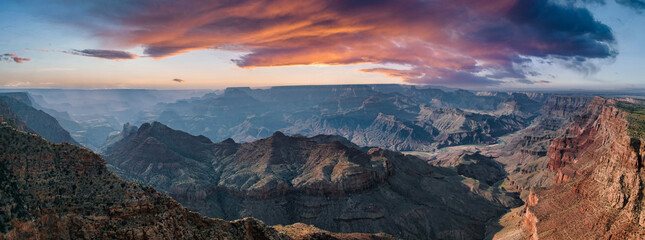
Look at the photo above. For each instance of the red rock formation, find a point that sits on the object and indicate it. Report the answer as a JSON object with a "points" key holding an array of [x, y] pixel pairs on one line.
{"points": [[599, 188]]}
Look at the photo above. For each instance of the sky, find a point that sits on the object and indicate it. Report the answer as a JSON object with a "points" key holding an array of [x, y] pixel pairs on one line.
{"points": [[517, 44]]}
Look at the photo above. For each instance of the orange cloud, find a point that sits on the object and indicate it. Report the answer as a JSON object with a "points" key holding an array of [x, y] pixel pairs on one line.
{"points": [[439, 40]]}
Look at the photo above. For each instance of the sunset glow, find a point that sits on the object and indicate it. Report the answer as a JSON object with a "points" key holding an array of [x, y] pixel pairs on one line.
{"points": [[213, 44]]}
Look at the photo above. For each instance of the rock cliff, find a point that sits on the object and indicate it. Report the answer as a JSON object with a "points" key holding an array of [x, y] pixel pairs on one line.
{"points": [[598, 188], [37, 120], [524, 153], [61, 191], [328, 184]]}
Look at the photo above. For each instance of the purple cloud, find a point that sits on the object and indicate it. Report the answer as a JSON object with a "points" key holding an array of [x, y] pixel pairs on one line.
{"points": [[106, 54]]}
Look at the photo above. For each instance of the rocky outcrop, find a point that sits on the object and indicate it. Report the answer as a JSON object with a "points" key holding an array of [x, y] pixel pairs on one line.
{"points": [[60, 191], [529, 220], [9, 118], [599, 185], [280, 165], [524, 153], [482, 168], [300, 231], [41, 122], [328, 184], [564, 107], [126, 131], [457, 127], [581, 136], [388, 130]]}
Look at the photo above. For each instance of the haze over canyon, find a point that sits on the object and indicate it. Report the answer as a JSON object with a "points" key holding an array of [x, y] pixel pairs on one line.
{"points": [[322, 120]]}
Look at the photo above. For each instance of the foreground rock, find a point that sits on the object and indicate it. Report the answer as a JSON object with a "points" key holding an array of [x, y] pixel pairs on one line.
{"points": [[60, 191], [598, 188], [331, 185]]}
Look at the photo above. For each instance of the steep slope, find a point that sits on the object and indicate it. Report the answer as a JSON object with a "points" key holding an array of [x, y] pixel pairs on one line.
{"points": [[398, 122], [41, 122], [481, 167], [522, 153], [457, 127], [525, 152], [331, 185], [54, 191], [598, 188], [8, 117], [60, 191]]}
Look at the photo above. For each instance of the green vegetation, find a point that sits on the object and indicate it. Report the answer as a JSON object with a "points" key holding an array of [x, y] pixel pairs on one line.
{"points": [[636, 117]]}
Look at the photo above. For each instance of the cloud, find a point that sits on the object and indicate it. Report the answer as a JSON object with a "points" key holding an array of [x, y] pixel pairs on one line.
{"points": [[526, 81], [178, 80], [451, 41], [438, 76], [635, 4], [106, 54], [13, 57], [55, 69]]}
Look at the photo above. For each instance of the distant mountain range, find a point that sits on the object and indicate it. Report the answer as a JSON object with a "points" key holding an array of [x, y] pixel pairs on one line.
{"points": [[91, 115], [396, 117], [476, 165]]}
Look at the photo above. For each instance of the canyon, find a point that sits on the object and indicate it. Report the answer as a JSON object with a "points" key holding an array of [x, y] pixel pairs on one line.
{"points": [[61, 191], [395, 117], [343, 162], [596, 191], [319, 181]]}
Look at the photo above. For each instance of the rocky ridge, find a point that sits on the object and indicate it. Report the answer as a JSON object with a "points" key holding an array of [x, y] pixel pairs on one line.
{"points": [[328, 184], [37, 120], [523, 154], [61, 191], [597, 191]]}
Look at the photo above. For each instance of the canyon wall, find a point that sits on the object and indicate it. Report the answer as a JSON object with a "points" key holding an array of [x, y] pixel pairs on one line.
{"points": [[598, 189]]}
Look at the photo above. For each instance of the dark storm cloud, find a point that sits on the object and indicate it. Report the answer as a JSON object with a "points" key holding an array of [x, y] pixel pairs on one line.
{"points": [[106, 54], [453, 42]]}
